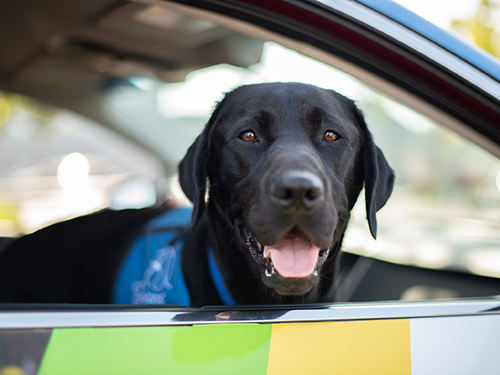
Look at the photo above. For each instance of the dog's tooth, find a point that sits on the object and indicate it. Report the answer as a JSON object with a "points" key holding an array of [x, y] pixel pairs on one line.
{"points": [[269, 272], [315, 273], [269, 268]]}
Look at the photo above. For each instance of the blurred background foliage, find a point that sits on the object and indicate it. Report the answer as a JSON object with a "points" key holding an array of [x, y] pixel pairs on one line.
{"points": [[40, 112], [483, 27]]}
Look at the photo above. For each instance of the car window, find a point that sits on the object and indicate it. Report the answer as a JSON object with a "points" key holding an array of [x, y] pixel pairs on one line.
{"points": [[56, 165], [443, 214]]}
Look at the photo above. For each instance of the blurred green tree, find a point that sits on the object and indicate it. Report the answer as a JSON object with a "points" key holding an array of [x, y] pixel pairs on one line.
{"points": [[483, 27], [9, 102]]}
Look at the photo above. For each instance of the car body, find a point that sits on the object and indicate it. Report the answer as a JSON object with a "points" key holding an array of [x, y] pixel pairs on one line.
{"points": [[69, 53]]}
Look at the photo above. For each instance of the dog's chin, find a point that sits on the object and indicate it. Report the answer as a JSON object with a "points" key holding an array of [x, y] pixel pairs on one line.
{"points": [[287, 286], [291, 265]]}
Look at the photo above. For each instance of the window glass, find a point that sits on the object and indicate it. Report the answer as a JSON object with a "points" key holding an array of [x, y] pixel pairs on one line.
{"points": [[55, 164], [444, 213]]}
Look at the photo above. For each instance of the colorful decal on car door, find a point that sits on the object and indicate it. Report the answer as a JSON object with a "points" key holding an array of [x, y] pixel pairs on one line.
{"points": [[378, 346], [198, 349], [417, 346], [353, 347]]}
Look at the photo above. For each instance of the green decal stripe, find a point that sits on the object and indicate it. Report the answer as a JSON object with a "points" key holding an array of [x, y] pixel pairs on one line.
{"points": [[200, 349]]}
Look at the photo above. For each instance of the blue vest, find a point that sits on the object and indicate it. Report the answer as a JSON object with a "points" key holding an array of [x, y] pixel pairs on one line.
{"points": [[151, 272]]}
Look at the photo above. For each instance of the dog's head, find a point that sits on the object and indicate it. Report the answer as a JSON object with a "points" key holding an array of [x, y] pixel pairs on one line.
{"points": [[284, 164]]}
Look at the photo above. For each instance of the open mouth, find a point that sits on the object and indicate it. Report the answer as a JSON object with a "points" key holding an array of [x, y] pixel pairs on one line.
{"points": [[294, 256]]}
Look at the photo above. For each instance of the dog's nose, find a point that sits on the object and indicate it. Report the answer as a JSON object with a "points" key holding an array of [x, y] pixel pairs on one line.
{"points": [[297, 190]]}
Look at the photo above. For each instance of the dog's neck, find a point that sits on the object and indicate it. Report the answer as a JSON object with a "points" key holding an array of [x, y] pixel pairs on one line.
{"points": [[238, 269]]}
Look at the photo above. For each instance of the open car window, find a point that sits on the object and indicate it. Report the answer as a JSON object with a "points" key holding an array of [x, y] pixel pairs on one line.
{"points": [[443, 214]]}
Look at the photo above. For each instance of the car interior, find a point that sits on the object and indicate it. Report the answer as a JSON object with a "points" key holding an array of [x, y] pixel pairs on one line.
{"points": [[99, 101]]}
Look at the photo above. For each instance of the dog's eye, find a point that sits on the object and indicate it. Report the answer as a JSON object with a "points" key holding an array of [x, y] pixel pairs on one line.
{"points": [[330, 136], [248, 136]]}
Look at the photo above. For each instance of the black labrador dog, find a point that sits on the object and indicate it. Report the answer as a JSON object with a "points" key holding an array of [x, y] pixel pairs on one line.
{"points": [[272, 178]]}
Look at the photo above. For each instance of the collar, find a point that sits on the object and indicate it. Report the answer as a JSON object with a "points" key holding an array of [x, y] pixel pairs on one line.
{"points": [[217, 279]]}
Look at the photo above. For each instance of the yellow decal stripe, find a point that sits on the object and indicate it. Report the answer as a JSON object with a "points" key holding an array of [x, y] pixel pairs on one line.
{"points": [[351, 347]]}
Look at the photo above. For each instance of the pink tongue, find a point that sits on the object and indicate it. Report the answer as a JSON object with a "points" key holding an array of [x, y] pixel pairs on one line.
{"points": [[293, 257]]}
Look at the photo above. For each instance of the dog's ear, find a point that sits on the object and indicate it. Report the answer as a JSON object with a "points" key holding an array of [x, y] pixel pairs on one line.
{"points": [[378, 175], [379, 183], [193, 170]]}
